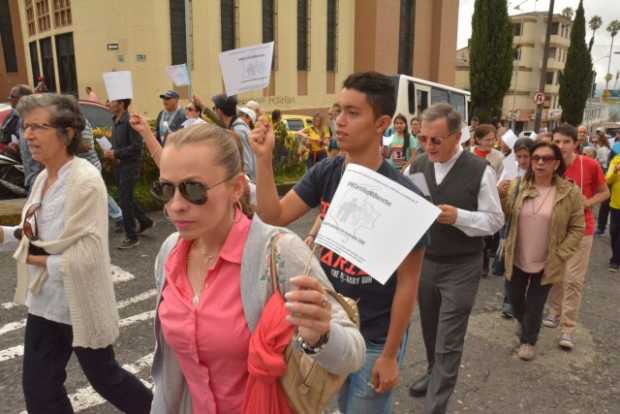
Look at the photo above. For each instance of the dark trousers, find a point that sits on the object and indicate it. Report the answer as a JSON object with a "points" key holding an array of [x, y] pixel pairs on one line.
{"points": [[315, 157], [126, 179], [603, 214], [47, 349], [446, 296], [614, 233], [491, 243], [528, 301]]}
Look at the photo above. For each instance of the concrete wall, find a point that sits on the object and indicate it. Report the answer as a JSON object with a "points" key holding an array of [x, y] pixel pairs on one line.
{"points": [[10, 79]]}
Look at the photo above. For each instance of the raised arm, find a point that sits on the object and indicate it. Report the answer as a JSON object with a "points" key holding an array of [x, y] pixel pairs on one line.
{"points": [[141, 126]]}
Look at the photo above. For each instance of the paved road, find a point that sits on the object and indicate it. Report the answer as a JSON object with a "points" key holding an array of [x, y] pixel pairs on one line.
{"points": [[492, 379]]}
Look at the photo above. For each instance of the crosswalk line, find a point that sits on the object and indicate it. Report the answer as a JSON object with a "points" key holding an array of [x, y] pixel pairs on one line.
{"points": [[13, 326], [86, 397]]}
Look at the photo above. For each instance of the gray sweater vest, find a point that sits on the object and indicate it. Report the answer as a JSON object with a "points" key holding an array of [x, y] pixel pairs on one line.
{"points": [[460, 189]]}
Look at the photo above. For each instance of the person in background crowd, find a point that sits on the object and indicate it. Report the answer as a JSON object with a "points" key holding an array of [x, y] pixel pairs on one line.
{"points": [[603, 156], [546, 228], [333, 150], [280, 132], [485, 139], [590, 152], [63, 267], [254, 106], [400, 150], [368, 101], [583, 139], [565, 297], [193, 116], [248, 116], [171, 118], [126, 153], [41, 85], [91, 96], [316, 140], [225, 108], [613, 181], [522, 149], [463, 186], [545, 137], [473, 124], [11, 125]]}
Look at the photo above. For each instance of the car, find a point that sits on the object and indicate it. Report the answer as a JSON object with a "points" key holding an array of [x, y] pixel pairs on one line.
{"points": [[5, 110], [527, 134], [97, 114], [295, 123]]}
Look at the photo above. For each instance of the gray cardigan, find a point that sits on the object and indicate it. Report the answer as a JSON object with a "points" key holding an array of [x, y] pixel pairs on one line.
{"points": [[344, 352]]}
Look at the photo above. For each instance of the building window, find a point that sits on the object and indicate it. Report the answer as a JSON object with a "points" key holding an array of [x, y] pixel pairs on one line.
{"points": [[65, 56], [332, 35], [32, 30], [303, 35], [34, 61], [517, 53], [553, 52], [549, 78], [517, 29], [555, 28], [43, 15], [270, 19], [229, 16], [178, 45], [405, 37], [6, 37], [47, 62], [62, 13]]}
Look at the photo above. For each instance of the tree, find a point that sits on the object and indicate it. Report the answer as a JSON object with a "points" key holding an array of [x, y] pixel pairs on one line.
{"points": [[568, 13], [595, 23], [576, 79], [491, 55], [613, 28]]}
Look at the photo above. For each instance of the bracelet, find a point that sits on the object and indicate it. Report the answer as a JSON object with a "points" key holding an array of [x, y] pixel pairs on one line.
{"points": [[312, 350]]}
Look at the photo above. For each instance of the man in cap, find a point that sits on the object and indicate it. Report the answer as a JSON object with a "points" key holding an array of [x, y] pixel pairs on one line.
{"points": [[226, 109], [248, 116], [171, 117]]}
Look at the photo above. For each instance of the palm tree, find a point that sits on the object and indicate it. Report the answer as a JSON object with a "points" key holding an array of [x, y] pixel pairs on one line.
{"points": [[568, 13], [595, 23], [613, 28]]}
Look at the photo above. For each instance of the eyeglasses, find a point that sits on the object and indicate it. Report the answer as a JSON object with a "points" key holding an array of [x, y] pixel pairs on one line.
{"points": [[27, 228], [190, 109], [433, 140], [35, 127], [192, 191], [544, 158]]}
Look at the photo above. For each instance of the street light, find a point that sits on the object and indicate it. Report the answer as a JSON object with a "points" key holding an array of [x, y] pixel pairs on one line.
{"points": [[605, 57]]}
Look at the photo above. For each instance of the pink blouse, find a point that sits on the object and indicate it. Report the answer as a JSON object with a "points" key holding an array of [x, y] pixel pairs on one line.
{"points": [[210, 338]]}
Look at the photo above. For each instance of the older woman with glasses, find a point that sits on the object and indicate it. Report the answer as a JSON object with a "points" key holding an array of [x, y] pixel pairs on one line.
{"points": [[545, 215], [63, 267]]}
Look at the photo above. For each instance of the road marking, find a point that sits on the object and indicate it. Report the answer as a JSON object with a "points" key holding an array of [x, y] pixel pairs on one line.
{"points": [[13, 326], [87, 397], [10, 353]]}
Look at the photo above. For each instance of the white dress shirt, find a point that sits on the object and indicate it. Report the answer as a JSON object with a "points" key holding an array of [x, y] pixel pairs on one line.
{"points": [[51, 302], [489, 218]]}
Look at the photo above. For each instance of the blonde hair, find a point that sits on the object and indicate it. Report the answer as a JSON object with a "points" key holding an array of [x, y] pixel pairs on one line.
{"points": [[226, 151]]}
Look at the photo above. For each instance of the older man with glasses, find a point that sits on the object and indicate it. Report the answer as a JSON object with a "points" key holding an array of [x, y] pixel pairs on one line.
{"points": [[463, 186]]}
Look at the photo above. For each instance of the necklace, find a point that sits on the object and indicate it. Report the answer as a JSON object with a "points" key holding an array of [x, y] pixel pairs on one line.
{"points": [[536, 210]]}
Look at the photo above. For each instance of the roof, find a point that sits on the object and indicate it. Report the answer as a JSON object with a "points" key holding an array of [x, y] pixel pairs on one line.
{"points": [[556, 16]]}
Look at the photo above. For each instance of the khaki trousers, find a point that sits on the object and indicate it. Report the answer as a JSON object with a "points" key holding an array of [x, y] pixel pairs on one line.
{"points": [[565, 296]]}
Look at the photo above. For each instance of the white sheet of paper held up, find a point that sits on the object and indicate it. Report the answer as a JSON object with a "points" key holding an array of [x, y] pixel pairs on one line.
{"points": [[511, 168], [104, 143], [365, 222], [178, 74], [14, 139], [246, 69], [118, 85], [420, 181]]}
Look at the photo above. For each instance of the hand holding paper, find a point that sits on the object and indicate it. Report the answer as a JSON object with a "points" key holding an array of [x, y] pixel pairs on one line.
{"points": [[448, 215], [104, 143]]}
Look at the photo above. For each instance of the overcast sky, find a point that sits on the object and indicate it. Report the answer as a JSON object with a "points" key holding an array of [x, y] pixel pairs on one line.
{"points": [[608, 10]]}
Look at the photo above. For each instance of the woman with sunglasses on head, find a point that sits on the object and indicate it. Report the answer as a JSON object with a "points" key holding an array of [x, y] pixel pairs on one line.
{"points": [[63, 267], [193, 112], [547, 224], [213, 281]]}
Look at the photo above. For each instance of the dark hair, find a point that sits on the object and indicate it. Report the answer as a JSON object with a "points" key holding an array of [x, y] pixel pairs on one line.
{"points": [[603, 140], [475, 119], [378, 88], [523, 144], [22, 90], [567, 130], [64, 114], [529, 175], [125, 103], [226, 104], [276, 115], [482, 131], [406, 138]]}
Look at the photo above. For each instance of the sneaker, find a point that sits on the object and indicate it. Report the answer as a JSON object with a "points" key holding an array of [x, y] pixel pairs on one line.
{"points": [[551, 321], [128, 244], [614, 267], [142, 227], [527, 352], [507, 311], [566, 342]]}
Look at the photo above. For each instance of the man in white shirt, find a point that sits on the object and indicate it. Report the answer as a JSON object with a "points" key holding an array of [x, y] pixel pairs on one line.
{"points": [[463, 186]]}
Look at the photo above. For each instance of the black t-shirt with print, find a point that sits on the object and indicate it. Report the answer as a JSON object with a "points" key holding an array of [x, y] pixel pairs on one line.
{"points": [[318, 187]]}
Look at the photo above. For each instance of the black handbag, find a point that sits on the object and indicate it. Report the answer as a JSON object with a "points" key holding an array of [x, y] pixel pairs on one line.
{"points": [[499, 266]]}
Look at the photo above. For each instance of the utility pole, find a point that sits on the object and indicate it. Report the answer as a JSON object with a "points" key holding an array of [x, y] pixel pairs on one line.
{"points": [[543, 71]]}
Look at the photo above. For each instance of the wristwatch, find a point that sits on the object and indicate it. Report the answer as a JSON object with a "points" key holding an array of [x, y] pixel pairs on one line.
{"points": [[313, 350]]}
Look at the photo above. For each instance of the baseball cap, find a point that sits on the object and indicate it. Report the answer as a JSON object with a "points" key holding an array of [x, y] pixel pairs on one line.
{"points": [[248, 112], [226, 104], [169, 94]]}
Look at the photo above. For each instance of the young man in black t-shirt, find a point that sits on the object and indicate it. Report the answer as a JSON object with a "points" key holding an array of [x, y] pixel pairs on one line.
{"points": [[368, 103]]}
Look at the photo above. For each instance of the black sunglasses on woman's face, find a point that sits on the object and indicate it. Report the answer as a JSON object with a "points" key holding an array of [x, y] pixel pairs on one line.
{"points": [[193, 191]]}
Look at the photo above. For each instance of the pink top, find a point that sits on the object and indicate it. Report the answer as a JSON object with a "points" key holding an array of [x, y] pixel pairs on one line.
{"points": [[210, 339], [533, 232]]}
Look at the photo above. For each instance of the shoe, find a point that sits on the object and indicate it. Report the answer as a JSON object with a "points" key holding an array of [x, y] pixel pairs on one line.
{"points": [[614, 267], [142, 227], [119, 227], [507, 311], [418, 388], [566, 342], [128, 244], [551, 321], [599, 233], [527, 352]]}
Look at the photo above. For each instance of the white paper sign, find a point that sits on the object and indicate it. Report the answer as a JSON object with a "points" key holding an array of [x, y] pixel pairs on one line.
{"points": [[374, 222], [511, 168], [104, 143], [246, 69], [14, 139], [178, 74], [465, 135], [509, 138], [118, 85]]}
